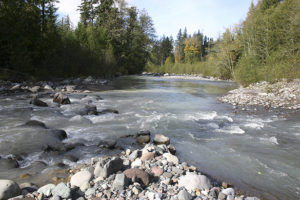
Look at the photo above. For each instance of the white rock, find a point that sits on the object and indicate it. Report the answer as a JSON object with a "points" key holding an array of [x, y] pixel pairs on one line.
{"points": [[228, 191], [171, 158], [191, 182], [46, 189], [80, 178], [137, 163]]}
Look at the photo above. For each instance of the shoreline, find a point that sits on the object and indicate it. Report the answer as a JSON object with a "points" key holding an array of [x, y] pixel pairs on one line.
{"points": [[184, 76], [152, 172]]}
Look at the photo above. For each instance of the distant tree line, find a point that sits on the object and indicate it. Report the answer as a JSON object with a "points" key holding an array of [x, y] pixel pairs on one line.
{"points": [[111, 38], [266, 46]]}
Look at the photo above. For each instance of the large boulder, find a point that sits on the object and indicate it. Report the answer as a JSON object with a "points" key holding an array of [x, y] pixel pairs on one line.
{"points": [[9, 189], [139, 174], [105, 168], [161, 139], [80, 178], [191, 182], [60, 98]]}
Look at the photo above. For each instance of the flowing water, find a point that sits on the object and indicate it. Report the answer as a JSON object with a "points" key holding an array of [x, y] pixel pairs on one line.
{"points": [[257, 150]]}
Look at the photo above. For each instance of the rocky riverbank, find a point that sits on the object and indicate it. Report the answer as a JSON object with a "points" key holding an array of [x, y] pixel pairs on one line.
{"points": [[282, 94], [182, 76], [153, 172]]}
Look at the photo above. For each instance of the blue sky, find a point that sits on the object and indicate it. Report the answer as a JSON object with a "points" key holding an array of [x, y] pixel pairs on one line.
{"points": [[209, 16]]}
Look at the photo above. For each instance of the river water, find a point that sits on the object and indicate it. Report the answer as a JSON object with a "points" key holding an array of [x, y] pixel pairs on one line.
{"points": [[257, 150]]}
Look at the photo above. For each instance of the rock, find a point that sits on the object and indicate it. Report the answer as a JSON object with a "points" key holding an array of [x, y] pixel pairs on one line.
{"points": [[46, 189], [192, 182], [35, 89], [30, 187], [137, 173], [176, 170], [143, 137], [133, 155], [62, 190], [106, 169], [59, 134], [161, 139], [109, 111], [157, 171], [167, 175], [35, 123], [90, 192], [48, 87], [137, 163], [184, 195], [55, 198], [16, 87], [70, 88], [91, 109], [107, 144], [61, 99], [9, 189], [214, 192], [171, 158], [80, 178], [221, 196], [120, 182], [35, 101], [6, 164], [147, 156], [172, 149], [251, 198], [85, 186], [228, 191]]}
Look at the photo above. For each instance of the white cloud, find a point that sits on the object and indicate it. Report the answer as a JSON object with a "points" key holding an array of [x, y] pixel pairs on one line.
{"points": [[70, 7]]}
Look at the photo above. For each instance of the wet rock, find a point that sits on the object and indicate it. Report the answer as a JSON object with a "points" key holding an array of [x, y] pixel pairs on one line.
{"points": [[107, 144], [172, 149], [62, 190], [29, 187], [91, 109], [104, 170], [192, 182], [143, 137], [147, 156], [35, 101], [59, 134], [161, 139], [157, 171], [16, 87], [46, 189], [72, 146], [80, 178], [48, 87], [6, 164], [184, 195], [139, 174], [120, 182], [70, 88], [35, 123], [171, 158], [106, 111], [8, 189], [61, 99]]}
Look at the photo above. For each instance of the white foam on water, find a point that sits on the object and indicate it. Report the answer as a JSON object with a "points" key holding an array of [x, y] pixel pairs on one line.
{"points": [[199, 116], [101, 118], [254, 125], [231, 130], [272, 140], [271, 170], [213, 125]]}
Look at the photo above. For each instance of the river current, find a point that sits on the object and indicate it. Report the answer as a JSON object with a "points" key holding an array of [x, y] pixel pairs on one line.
{"points": [[257, 150]]}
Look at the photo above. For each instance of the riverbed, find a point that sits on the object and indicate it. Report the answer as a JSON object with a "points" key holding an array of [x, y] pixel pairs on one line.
{"points": [[255, 149]]}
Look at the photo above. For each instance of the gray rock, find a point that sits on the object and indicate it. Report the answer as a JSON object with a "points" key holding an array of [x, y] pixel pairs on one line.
{"points": [[35, 89], [230, 197], [59, 134], [106, 111], [90, 192], [161, 139], [62, 190], [167, 175], [143, 137], [184, 195], [91, 109], [80, 178], [192, 182], [35, 123], [8, 189], [61, 99], [46, 189], [228, 191], [133, 155], [120, 182], [112, 166], [35, 101], [107, 144], [221, 196], [177, 170], [55, 198], [30, 187]]}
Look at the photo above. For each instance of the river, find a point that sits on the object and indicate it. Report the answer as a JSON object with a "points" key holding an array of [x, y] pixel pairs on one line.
{"points": [[257, 150]]}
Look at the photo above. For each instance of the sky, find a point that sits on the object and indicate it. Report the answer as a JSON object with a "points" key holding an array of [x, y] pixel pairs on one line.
{"points": [[211, 17]]}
